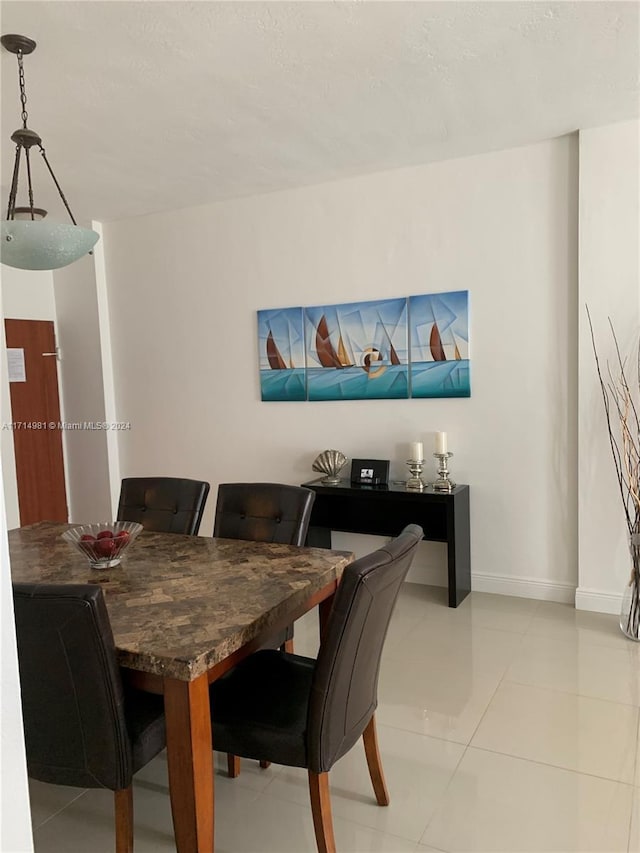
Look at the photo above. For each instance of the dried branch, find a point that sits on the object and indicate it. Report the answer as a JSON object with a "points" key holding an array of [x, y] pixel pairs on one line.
{"points": [[621, 408]]}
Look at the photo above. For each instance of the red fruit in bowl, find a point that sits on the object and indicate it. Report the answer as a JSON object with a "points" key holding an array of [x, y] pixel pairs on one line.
{"points": [[123, 535], [105, 547], [105, 534], [87, 537]]}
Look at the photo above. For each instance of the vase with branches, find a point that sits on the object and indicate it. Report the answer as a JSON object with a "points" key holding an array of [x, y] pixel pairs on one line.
{"points": [[620, 386]]}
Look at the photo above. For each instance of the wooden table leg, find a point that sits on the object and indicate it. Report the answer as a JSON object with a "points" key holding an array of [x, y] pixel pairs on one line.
{"points": [[190, 758], [324, 609]]}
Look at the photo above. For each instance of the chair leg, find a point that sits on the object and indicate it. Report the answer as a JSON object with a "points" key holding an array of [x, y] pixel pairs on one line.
{"points": [[265, 764], [233, 765], [370, 739], [321, 811], [123, 804], [287, 646]]}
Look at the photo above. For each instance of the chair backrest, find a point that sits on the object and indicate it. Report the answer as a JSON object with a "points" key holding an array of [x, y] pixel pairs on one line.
{"points": [[163, 504], [263, 512], [345, 683], [72, 694]]}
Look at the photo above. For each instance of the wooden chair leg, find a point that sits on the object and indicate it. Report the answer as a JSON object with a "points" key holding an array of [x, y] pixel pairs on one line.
{"points": [[321, 811], [265, 764], [287, 646], [370, 739], [233, 765], [123, 805]]}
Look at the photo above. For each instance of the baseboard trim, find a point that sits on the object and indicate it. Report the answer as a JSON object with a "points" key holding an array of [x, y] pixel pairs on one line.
{"points": [[564, 593], [598, 601]]}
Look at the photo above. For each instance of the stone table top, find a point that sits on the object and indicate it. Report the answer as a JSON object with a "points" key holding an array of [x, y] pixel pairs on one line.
{"points": [[178, 604]]}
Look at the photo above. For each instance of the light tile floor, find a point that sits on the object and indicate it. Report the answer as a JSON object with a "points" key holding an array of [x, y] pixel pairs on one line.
{"points": [[505, 725]]}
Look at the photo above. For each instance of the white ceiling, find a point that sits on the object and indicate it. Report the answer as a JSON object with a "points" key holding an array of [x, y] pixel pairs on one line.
{"points": [[151, 106]]}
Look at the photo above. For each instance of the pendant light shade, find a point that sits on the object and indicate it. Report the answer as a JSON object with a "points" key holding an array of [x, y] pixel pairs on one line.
{"points": [[28, 241], [30, 245]]}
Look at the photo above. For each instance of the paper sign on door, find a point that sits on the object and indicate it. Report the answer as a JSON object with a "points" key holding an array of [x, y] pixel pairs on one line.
{"points": [[15, 364]]}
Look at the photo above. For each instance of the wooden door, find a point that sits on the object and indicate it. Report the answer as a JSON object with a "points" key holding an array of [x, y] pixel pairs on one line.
{"points": [[35, 410]]}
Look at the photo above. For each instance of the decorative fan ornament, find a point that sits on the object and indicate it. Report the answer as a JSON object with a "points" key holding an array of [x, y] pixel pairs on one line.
{"points": [[330, 462]]}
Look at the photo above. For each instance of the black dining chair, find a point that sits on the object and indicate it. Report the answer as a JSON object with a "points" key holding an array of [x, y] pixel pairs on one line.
{"points": [[163, 504], [308, 713], [82, 726], [264, 512]]}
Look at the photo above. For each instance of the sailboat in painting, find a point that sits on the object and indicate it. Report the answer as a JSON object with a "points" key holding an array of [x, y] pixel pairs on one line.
{"points": [[276, 361], [385, 344], [343, 355], [435, 344], [437, 347], [327, 355]]}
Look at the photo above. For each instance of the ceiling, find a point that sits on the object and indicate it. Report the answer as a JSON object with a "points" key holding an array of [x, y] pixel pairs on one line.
{"points": [[153, 106]]}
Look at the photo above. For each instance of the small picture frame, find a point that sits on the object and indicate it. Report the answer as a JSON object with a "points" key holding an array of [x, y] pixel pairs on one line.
{"points": [[370, 472]]}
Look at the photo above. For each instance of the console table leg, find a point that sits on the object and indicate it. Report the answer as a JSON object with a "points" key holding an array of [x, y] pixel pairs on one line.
{"points": [[459, 549], [319, 537]]}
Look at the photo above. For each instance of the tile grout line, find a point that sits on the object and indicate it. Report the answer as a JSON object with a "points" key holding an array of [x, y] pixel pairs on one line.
{"points": [[59, 811], [493, 695], [553, 766], [466, 749], [442, 798], [636, 771], [572, 693]]}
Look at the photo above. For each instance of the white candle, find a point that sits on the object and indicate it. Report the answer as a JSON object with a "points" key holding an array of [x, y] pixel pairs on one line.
{"points": [[441, 442], [417, 454]]}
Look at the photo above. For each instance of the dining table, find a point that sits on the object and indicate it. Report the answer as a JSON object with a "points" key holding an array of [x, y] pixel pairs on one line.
{"points": [[184, 610]]}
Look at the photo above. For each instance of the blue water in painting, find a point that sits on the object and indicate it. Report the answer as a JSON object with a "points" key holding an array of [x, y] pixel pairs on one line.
{"points": [[354, 383], [283, 384], [428, 380], [441, 379]]}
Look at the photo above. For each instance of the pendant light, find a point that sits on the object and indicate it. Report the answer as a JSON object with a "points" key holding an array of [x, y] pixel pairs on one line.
{"points": [[29, 242]]}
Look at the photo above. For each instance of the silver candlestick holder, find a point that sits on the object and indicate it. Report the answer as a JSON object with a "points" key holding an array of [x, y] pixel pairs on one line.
{"points": [[415, 482], [443, 483]]}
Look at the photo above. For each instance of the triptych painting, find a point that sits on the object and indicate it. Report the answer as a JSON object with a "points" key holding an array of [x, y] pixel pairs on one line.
{"points": [[384, 349]]}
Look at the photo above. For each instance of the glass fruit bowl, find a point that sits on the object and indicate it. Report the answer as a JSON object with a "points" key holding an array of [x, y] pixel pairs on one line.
{"points": [[104, 543]]}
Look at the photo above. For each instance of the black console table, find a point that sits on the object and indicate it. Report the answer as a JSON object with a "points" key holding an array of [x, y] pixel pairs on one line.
{"points": [[386, 510]]}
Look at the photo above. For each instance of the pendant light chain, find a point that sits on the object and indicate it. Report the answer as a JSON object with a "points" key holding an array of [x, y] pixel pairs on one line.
{"points": [[24, 116], [16, 163], [23, 93], [55, 181], [30, 188], [11, 207]]}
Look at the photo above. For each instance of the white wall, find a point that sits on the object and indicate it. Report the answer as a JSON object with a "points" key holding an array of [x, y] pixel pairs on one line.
{"points": [[26, 295], [15, 815], [82, 391], [15, 811], [7, 452], [610, 285], [184, 288]]}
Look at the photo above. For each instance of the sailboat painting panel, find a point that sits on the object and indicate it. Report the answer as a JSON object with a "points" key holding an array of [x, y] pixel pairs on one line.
{"points": [[281, 354], [439, 344], [357, 350]]}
